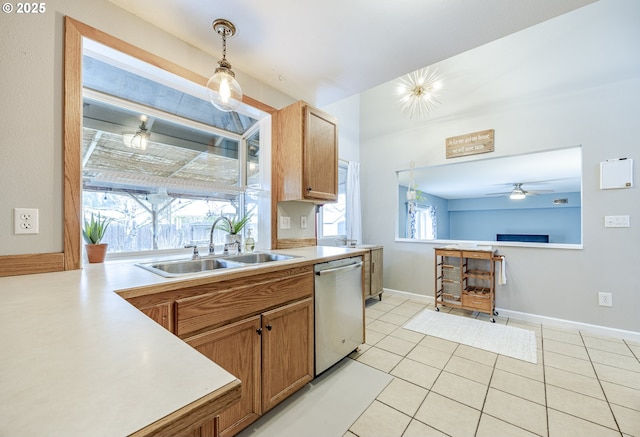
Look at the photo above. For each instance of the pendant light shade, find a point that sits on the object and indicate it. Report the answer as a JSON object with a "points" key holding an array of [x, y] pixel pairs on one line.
{"points": [[223, 88]]}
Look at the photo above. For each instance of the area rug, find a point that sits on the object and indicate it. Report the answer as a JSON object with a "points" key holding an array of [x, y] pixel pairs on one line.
{"points": [[327, 406], [501, 339]]}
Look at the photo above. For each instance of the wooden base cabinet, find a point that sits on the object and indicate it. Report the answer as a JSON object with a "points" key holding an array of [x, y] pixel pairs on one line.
{"points": [[237, 349], [259, 328], [272, 354], [287, 351], [373, 273]]}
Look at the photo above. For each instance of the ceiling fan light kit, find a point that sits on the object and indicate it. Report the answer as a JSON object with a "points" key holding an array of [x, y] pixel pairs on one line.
{"points": [[224, 90], [517, 193]]}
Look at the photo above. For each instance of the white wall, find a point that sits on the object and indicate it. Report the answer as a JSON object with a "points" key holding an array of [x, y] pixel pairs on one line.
{"points": [[601, 115], [347, 112], [32, 98]]}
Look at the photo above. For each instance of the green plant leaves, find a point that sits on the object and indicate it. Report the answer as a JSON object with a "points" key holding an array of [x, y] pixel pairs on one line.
{"points": [[94, 230]]}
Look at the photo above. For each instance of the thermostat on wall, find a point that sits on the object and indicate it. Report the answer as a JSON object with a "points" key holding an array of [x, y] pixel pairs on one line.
{"points": [[616, 173]]}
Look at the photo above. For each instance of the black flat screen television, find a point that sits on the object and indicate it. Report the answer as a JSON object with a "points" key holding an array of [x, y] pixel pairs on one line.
{"points": [[525, 238]]}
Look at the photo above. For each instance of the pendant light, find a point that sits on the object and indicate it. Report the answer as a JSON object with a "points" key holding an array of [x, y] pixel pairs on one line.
{"points": [[224, 90], [140, 139]]}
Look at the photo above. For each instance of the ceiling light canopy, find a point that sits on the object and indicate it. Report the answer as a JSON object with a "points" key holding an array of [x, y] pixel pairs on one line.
{"points": [[224, 90], [419, 93], [140, 139]]}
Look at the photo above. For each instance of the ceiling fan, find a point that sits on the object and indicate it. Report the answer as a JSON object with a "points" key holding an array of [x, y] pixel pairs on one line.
{"points": [[519, 193]]}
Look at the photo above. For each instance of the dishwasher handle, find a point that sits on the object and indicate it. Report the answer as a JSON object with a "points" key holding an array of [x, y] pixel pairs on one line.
{"points": [[340, 269]]}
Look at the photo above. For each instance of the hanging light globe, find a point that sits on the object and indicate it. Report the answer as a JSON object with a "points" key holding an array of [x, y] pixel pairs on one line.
{"points": [[223, 88]]}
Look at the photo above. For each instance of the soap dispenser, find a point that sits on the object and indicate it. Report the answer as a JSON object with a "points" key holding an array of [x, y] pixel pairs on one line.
{"points": [[250, 243]]}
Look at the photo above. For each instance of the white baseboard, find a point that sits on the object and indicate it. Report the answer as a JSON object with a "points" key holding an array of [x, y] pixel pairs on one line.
{"points": [[534, 318]]}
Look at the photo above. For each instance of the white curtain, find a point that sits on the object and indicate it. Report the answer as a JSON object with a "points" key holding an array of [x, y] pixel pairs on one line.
{"points": [[354, 211]]}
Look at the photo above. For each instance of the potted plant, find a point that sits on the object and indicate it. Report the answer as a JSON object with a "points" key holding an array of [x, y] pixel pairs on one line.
{"points": [[234, 226], [93, 232]]}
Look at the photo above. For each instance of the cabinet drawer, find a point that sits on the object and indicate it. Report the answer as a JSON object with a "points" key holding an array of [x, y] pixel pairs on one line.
{"points": [[196, 313], [478, 254], [444, 252], [480, 302]]}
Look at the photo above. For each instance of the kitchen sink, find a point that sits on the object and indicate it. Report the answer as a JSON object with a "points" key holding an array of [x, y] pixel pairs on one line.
{"points": [[255, 258], [171, 269], [183, 267]]}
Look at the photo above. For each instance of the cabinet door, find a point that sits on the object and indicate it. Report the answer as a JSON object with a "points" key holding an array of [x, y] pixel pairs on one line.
{"points": [[376, 271], [163, 314], [287, 351], [320, 172], [236, 348]]}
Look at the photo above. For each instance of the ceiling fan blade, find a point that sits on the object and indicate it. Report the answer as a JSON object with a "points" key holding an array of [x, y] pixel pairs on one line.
{"points": [[536, 192]]}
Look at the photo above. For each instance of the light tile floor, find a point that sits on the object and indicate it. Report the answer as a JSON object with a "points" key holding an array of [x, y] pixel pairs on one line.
{"points": [[583, 385]]}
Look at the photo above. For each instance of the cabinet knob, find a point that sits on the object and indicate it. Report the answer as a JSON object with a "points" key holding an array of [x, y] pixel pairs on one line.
{"points": [[269, 327], [259, 331], [309, 188]]}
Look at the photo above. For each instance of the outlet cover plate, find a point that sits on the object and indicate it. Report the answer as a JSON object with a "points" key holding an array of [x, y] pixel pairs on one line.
{"points": [[25, 221], [605, 299]]}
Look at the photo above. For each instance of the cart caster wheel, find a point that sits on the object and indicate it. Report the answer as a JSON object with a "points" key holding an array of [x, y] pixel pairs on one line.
{"points": [[495, 313], [437, 309], [492, 320]]}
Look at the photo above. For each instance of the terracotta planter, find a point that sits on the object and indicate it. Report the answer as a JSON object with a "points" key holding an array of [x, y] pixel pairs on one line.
{"points": [[96, 252]]}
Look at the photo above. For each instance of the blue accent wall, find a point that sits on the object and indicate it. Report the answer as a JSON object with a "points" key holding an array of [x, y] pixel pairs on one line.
{"points": [[480, 219]]}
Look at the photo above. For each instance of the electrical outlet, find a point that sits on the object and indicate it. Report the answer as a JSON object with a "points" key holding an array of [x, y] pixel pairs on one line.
{"points": [[25, 221], [303, 222], [605, 299], [285, 222]]}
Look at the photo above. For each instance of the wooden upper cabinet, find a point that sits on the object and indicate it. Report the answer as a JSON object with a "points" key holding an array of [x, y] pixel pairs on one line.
{"points": [[306, 154]]}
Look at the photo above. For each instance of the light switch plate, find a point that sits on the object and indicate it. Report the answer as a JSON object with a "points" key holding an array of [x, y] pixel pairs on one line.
{"points": [[285, 222], [616, 221]]}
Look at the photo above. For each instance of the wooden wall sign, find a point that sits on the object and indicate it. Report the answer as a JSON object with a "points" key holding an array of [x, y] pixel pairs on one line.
{"points": [[470, 144]]}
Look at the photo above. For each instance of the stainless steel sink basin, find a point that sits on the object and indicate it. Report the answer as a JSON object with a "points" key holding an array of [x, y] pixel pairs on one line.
{"points": [[184, 267], [255, 258]]}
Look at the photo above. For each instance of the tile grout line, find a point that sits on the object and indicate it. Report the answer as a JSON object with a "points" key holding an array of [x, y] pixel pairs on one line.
{"points": [[544, 380], [604, 393], [544, 376]]}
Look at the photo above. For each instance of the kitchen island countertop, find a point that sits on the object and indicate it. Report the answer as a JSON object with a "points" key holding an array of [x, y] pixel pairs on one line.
{"points": [[78, 359]]}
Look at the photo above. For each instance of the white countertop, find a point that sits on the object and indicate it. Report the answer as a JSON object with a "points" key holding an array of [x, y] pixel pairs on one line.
{"points": [[78, 359]]}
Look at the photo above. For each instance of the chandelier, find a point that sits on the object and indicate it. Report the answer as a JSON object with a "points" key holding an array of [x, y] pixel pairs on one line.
{"points": [[419, 93]]}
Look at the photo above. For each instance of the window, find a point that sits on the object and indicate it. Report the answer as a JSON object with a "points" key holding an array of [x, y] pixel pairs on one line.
{"points": [[333, 216], [422, 224], [197, 164]]}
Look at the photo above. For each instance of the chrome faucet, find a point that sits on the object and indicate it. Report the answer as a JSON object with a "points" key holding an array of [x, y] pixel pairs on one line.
{"points": [[212, 250]]}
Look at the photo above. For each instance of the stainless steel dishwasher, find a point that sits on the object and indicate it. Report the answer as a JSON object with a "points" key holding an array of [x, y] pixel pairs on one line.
{"points": [[339, 310]]}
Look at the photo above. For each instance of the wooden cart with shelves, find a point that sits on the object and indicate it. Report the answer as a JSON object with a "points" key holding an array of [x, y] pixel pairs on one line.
{"points": [[466, 279]]}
